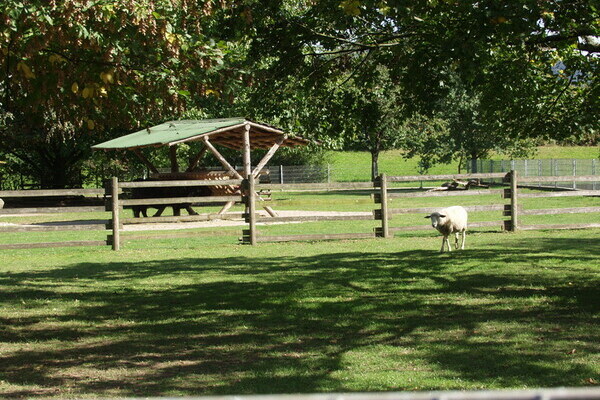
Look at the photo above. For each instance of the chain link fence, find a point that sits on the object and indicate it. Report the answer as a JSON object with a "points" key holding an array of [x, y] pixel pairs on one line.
{"points": [[551, 167]]}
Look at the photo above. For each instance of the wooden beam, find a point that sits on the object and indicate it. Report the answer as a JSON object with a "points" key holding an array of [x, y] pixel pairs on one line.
{"points": [[196, 159], [267, 157], [146, 162], [246, 152], [173, 158], [221, 159]]}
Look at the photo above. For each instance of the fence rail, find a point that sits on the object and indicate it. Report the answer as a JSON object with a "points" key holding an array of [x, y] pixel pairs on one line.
{"points": [[383, 195], [512, 209], [548, 169], [530, 394]]}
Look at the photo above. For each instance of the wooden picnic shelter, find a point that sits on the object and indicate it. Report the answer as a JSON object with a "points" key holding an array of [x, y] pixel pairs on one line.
{"points": [[234, 133]]}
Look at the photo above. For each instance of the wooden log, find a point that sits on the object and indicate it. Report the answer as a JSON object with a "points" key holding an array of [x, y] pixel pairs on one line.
{"points": [[385, 233], [145, 161], [220, 158], [567, 178], [417, 178], [178, 183], [570, 193], [514, 210], [177, 234], [54, 244], [51, 210], [331, 236], [53, 228], [559, 226], [251, 207], [116, 242], [393, 195], [322, 187], [316, 218], [429, 210], [267, 157], [483, 224], [226, 207], [554, 211], [180, 200], [194, 162], [173, 158], [186, 218], [270, 210], [446, 193], [50, 192], [246, 152]]}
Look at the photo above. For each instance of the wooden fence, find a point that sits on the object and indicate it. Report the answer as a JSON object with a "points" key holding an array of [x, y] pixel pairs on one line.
{"points": [[253, 236], [512, 209], [381, 190], [117, 204], [92, 225], [386, 195], [555, 211]]}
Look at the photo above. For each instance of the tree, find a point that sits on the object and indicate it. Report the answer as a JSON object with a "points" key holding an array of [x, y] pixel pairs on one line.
{"points": [[457, 131], [73, 73], [505, 49]]}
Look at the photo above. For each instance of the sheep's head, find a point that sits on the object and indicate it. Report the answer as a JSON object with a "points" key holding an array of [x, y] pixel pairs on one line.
{"points": [[436, 219]]}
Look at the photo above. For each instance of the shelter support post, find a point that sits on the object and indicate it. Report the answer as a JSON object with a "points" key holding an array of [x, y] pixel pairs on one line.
{"points": [[246, 151], [267, 157], [173, 158], [196, 159], [221, 159], [144, 160], [226, 207]]}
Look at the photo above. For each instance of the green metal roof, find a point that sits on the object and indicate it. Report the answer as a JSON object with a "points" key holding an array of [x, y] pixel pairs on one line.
{"points": [[169, 132], [227, 132]]}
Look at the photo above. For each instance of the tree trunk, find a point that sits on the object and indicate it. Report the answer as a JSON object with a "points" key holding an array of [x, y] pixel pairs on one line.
{"points": [[374, 164]]}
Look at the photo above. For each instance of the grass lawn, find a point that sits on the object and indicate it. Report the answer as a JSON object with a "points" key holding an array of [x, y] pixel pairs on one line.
{"points": [[205, 316], [356, 166], [199, 316]]}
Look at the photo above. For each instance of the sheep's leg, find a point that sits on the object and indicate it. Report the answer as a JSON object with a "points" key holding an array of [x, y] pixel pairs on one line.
{"points": [[456, 240], [445, 241], [464, 238]]}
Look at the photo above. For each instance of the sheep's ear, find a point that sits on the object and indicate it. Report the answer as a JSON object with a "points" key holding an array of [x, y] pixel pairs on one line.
{"points": [[442, 216], [429, 216]]}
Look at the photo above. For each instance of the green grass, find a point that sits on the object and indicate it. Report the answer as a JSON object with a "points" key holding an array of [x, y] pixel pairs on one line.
{"points": [[205, 316], [200, 316], [356, 166]]}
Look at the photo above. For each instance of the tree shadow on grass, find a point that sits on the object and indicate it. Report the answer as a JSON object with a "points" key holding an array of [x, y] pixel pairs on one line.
{"points": [[238, 325]]}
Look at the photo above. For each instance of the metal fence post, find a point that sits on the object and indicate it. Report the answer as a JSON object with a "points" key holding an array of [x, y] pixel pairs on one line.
{"points": [[281, 174], [114, 190]]}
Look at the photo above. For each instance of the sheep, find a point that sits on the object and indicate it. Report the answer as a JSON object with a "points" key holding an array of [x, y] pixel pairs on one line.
{"points": [[450, 220]]}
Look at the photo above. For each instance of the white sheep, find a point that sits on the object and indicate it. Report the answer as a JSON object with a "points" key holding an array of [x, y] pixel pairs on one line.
{"points": [[450, 220]]}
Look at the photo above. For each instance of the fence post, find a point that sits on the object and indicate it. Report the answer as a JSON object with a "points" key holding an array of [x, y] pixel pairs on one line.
{"points": [[514, 219], [281, 174], [114, 190], [574, 172], [594, 172], [328, 173], [385, 231], [250, 194]]}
